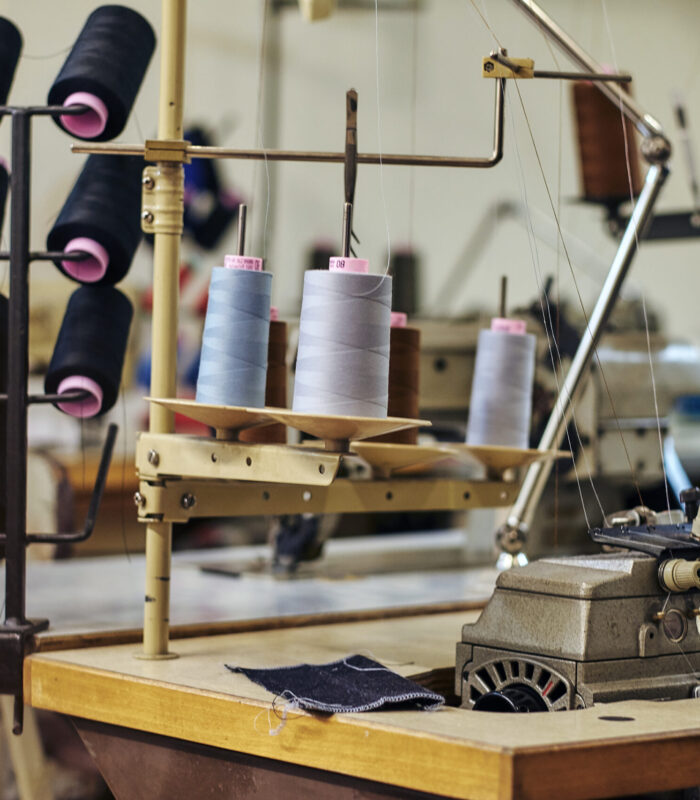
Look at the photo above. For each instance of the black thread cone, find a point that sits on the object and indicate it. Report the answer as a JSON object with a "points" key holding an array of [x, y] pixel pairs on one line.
{"points": [[10, 48], [92, 341], [108, 59], [104, 205]]}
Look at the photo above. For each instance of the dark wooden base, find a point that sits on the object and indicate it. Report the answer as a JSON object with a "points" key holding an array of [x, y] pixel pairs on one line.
{"points": [[144, 766]]}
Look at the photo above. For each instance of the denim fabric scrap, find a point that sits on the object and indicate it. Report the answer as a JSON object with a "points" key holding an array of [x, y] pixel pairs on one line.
{"points": [[355, 683]]}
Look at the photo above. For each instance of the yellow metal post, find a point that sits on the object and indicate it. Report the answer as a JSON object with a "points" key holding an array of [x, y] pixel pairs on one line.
{"points": [[166, 262]]}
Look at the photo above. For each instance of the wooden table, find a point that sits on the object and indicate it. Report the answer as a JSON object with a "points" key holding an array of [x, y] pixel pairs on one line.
{"points": [[190, 722]]}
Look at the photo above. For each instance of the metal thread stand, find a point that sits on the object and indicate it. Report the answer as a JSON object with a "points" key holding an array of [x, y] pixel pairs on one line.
{"points": [[17, 631]]}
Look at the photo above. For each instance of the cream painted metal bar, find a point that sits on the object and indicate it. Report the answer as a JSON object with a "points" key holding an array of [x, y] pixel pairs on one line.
{"points": [[318, 156], [166, 260]]}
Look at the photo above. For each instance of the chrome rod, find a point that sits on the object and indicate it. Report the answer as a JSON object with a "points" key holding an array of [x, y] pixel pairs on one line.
{"points": [[646, 124], [512, 535]]}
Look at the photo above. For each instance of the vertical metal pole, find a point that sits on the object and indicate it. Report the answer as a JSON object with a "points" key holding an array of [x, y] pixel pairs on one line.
{"points": [[166, 262], [17, 370]]}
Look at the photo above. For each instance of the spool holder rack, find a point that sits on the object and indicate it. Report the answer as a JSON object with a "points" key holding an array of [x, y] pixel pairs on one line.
{"points": [[16, 631]]}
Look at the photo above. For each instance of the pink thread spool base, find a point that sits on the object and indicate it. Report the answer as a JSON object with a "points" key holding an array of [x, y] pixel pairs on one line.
{"points": [[515, 326], [91, 269], [243, 262], [342, 264], [90, 124], [398, 319], [82, 408]]}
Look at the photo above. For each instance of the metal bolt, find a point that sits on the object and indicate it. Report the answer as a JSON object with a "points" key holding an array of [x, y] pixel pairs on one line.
{"points": [[153, 458], [148, 182], [659, 616], [187, 500], [488, 66], [139, 499], [147, 217]]}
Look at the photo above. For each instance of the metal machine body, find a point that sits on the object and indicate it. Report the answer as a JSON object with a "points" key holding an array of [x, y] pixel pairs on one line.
{"points": [[565, 633]]}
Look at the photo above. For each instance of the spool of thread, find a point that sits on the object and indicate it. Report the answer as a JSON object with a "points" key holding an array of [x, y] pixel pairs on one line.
{"points": [[343, 358], [104, 71], [601, 147], [90, 348], [102, 216], [275, 385], [233, 364], [404, 378], [10, 48], [4, 310], [404, 269], [4, 186], [501, 399]]}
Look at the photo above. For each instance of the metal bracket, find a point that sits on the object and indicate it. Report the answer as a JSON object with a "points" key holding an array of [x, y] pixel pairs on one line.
{"points": [[181, 500], [173, 150], [163, 198], [497, 66], [171, 455]]}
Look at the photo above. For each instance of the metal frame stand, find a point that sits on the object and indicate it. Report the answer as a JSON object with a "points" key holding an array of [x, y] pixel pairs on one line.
{"points": [[17, 631], [656, 149]]}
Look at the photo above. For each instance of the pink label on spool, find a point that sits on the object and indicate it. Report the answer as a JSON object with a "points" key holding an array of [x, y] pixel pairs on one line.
{"points": [[243, 262], [398, 319], [342, 264], [3, 163], [90, 124], [81, 408], [274, 314], [517, 326], [90, 269]]}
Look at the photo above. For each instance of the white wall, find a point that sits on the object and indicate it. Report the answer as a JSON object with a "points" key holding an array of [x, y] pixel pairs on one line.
{"points": [[656, 41]]}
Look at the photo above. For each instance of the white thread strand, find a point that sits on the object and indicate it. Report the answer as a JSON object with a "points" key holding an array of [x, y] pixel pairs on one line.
{"points": [[379, 138], [636, 244], [549, 331]]}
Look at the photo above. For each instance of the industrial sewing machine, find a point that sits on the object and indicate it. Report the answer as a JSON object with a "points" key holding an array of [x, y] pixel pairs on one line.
{"points": [[565, 633]]}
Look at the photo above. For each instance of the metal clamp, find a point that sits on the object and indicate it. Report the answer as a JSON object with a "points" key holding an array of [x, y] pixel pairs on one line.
{"points": [[163, 198], [172, 150]]}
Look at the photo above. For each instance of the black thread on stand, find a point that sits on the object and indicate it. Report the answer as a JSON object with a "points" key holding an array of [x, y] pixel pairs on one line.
{"points": [[104, 205], [109, 59], [92, 341], [10, 48], [4, 186]]}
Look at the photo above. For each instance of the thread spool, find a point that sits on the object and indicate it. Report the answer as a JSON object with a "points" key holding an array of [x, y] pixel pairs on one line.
{"points": [[102, 216], [275, 385], [404, 378], [233, 364], [404, 270], [104, 71], [343, 358], [90, 348], [4, 312], [501, 399], [601, 147], [10, 49]]}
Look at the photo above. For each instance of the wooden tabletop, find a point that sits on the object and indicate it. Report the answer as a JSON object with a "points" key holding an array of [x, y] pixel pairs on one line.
{"points": [[605, 751]]}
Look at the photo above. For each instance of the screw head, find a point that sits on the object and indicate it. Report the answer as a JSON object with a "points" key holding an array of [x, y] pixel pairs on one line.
{"points": [[147, 182], [488, 66], [147, 217], [153, 458], [139, 500], [187, 500]]}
